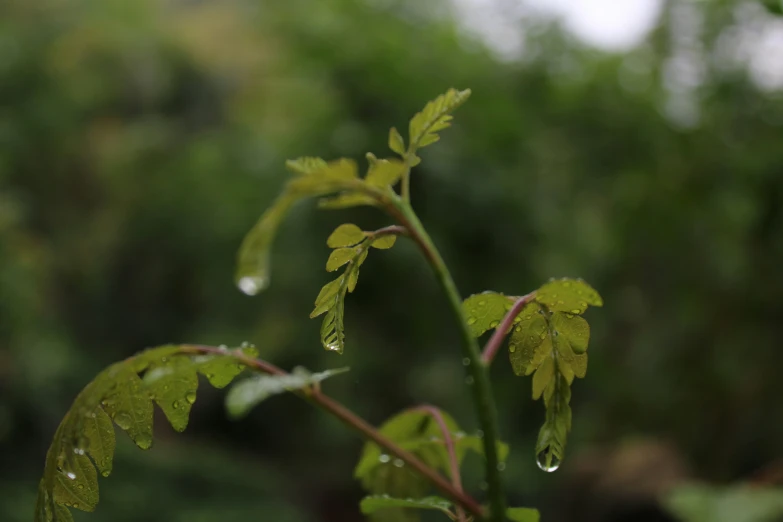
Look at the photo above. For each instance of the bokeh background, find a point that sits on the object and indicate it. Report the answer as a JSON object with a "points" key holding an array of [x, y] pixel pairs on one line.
{"points": [[637, 144]]}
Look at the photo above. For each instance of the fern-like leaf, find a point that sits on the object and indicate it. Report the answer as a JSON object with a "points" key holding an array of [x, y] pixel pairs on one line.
{"points": [[351, 246], [424, 126], [123, 394]]}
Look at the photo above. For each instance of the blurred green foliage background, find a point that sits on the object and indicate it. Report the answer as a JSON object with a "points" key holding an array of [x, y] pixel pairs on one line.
{"points": [[140, 140]]}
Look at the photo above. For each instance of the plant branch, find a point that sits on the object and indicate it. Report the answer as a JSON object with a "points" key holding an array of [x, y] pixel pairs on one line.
{"points": [[492, 346], [315, 396], [480, 388], [392, 230], [456, 480]]}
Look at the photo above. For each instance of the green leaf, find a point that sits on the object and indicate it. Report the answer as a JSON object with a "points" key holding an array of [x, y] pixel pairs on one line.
{"points": [[416, 432], [346, 200], [574, 328], [396, 143], [551, 339], [523, 514], [380, 473], [99, 432], [485, 311], [305, 165], [434, 117], [385, 173], [384, 242], [543, 376], [246, 394], [331, 298], [373, 503], [568, 295], [129, 406], [77, 488], [530, 343], [345, 235], [173, 385], [737, 503], [339, 257], [85, 438]]}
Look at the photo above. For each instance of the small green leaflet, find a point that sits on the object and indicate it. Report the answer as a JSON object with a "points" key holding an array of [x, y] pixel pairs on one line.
{"points": [[123, 394], [396, 143], [523, 514], [485, 311], [351, 246], [435, 117], [373, 503], [568, 295], [246, 394], [345, 235], [384, 173]]}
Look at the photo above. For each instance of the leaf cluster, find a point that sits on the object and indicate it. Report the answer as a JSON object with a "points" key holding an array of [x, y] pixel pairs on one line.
{"points": [[390, 482], [123, 395], [548, 339]]}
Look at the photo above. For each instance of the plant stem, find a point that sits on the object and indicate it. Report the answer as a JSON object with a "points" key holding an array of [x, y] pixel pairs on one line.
{"points": [[456, 480], [491, 348], [315, 396], [480, 389]]}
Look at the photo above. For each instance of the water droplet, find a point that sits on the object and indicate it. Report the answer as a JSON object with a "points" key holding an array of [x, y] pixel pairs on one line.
{"points": [[465, 361], [583, 304], [398, 463], [566, 284], [512, 348], [143, 440], [190, 397], [494, 324], [547, 462], [543, 335], [384, 458], [71, 475], [251, 285], [579, 292], [482, 303], [223, 348], [80, 486], [175, 405], [554, 296], [333, 347], [501, 466], [105, 473], [123, 420], [469, 380], [518, 329], [471, 320], [459, 434], [78, 451], [76, 505], [575, 311], [560, 302], [165, 387]]}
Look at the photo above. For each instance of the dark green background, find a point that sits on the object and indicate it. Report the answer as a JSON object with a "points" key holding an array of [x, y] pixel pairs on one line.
{"points": [[140, 140]]}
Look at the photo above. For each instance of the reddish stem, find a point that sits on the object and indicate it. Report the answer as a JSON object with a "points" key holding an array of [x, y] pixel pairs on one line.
{"points": [[456, 480], [354, 421], [493, 345]]}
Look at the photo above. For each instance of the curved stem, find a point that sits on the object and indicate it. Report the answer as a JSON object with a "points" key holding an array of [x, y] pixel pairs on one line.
{"points": [[315, 396], [492, 346], [456, 479], [481, 390]]}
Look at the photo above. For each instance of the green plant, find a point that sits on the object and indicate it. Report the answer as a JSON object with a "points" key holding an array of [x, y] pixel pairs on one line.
{"points": [[413, 452]]}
